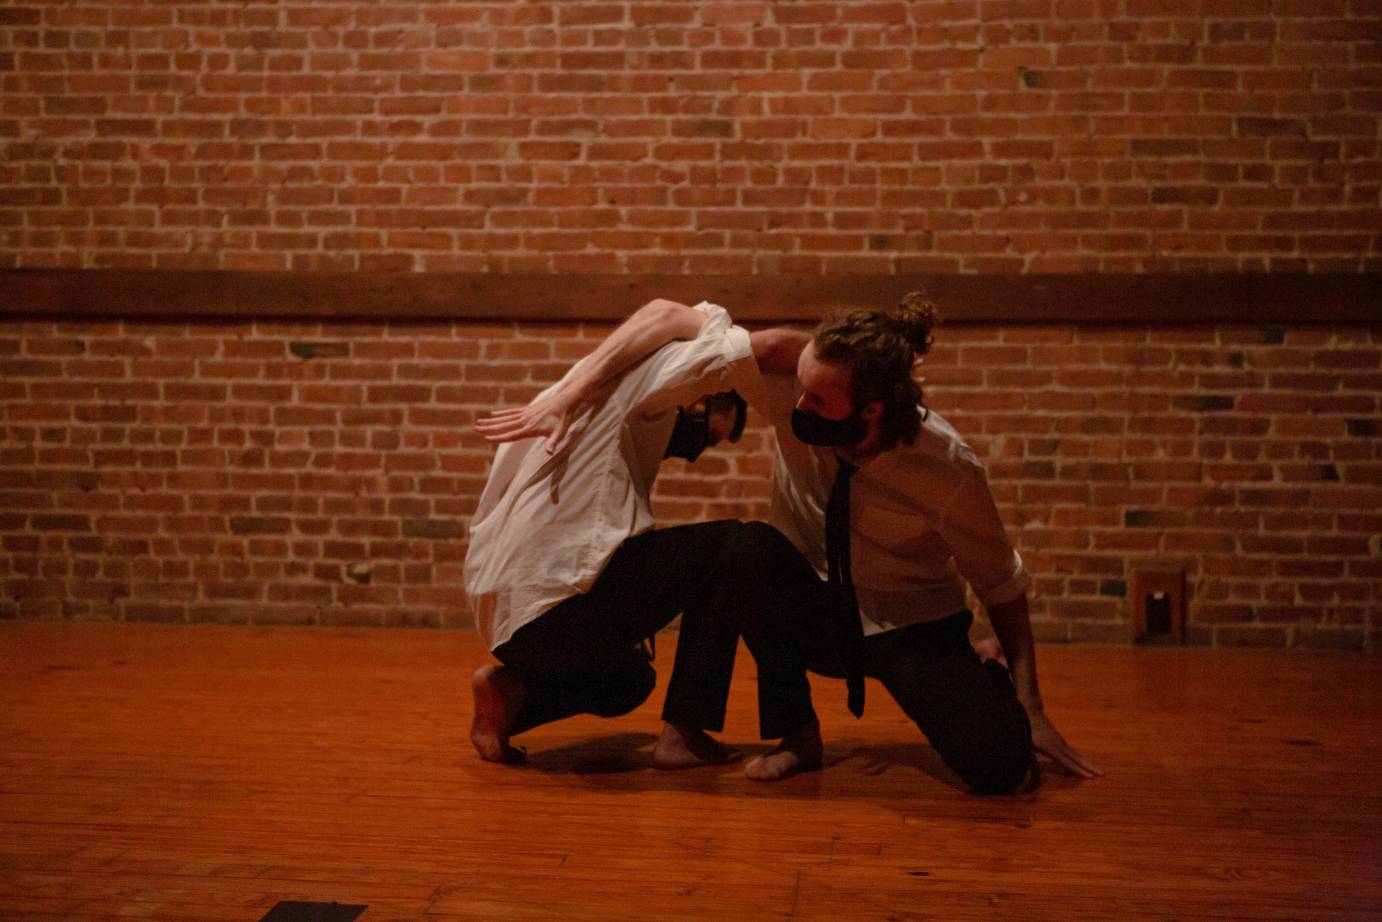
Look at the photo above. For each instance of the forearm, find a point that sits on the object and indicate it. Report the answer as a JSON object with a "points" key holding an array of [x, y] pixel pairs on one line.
{"points": [[648, 329], [1013, 625]]}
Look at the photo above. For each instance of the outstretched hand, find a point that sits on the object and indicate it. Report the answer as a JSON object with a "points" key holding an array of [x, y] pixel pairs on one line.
{"points": [[549, 416], [1046, 739]]}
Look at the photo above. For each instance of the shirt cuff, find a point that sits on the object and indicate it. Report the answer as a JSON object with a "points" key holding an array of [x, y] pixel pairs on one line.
{"points": [[1008, 590]]}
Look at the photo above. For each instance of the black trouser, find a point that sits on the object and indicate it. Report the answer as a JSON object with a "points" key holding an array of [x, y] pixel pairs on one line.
{"points": [[968, 709], [583, 656]]}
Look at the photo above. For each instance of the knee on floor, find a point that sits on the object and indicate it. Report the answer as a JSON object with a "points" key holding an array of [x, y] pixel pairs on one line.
{"points": [[998, 765]]}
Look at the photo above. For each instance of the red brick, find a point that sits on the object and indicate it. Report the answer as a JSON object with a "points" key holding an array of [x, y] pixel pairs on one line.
{"points": [[1137, 144]]}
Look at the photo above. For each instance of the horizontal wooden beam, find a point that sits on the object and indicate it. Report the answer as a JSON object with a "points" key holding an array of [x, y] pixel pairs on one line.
{"points": [[1104, 299]]}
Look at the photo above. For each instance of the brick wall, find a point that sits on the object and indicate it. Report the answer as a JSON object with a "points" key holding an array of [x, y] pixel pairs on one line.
{"points": [[268, 472], [936, 136], [262, 471]]}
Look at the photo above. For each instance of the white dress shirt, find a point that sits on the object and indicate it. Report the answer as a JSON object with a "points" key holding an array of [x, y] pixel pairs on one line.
{"points": [[922, 519], [547, 524]]}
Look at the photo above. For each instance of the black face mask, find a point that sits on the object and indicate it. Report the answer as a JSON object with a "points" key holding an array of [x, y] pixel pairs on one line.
{"points": [[690, 436], [817, 430]]}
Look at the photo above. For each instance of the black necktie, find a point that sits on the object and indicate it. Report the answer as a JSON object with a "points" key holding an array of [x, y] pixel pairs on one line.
{"points": [[837, 563]]}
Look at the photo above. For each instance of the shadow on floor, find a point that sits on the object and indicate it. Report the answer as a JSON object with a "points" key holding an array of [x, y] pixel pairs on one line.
{"points": [[882, 758], [602, 755], [622, 762]]}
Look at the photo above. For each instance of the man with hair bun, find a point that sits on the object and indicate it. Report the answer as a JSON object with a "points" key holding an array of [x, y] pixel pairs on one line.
{"points": [[884, 498]]}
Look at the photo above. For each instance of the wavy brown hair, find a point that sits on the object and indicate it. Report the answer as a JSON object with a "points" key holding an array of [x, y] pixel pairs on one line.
{"points": [[879, 347]]}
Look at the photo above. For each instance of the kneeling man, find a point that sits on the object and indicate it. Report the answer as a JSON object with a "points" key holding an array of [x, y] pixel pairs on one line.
{"points": [[565, 572]]}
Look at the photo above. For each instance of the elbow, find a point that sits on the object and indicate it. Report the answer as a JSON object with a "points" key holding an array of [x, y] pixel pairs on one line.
{"points": [[670, 318], [662, 308]]}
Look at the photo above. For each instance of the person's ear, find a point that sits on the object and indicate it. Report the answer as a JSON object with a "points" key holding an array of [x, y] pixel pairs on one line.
{"points": [[871, 411]]}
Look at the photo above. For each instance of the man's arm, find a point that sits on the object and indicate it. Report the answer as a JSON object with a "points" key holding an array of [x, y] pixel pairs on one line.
{"points": [[776, 350], [1013, 626], [648, 329]]}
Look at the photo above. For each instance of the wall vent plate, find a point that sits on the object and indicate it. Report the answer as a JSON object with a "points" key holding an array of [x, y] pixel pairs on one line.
{"points": [[1158, 598]]}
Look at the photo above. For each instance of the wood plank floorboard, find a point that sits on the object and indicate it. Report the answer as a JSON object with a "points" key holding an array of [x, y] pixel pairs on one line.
{"points": [[206, 773]]}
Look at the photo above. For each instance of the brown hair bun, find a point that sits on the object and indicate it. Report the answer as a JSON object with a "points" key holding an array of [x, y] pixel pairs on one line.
{"points": [[915, 317]]}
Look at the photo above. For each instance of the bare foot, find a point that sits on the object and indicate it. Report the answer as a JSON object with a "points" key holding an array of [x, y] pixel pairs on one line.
{"points": [[498, 696], [800, 752], [684, 747]]}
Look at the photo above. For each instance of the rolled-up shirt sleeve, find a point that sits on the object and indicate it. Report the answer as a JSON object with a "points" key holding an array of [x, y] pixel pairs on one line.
{"points": [[971, 527], [719, 358]]}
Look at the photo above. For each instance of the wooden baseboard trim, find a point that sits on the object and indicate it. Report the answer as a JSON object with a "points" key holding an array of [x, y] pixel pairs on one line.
{"points": [[1283, 299]]}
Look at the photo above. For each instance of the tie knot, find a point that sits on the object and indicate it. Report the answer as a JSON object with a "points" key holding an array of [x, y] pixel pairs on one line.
{"points": [[845, 470]]}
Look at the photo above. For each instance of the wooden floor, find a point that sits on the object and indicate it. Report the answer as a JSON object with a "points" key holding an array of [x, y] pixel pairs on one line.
{"points": [[203, 772]]}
